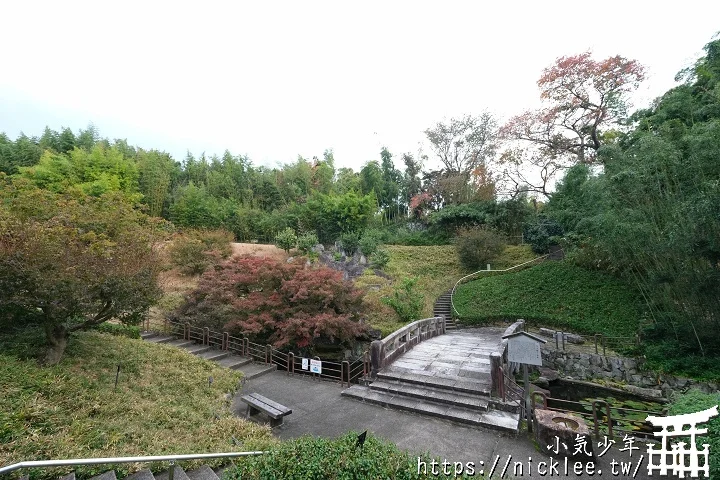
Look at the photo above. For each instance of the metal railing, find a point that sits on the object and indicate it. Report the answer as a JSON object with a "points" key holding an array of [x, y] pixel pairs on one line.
{"points": [[463, 279], [346, 372], [112, 460]]}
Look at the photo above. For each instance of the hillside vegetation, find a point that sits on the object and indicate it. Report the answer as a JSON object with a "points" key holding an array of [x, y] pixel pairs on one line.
{"points": [[163, 404], [556, 294], [437, 269]]}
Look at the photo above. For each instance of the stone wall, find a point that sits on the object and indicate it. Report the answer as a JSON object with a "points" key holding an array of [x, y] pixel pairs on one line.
{"points": [[587, 366]]}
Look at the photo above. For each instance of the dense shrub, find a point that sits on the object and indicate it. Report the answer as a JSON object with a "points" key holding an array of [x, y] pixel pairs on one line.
{"points": [[476, 247], [286, 239], [195, 250], [696, 401], [287, 304], [306, 242], [315, 458], [542, 233], [379, 258], [350, 241], [118, 329], [370, 241], [406, 300]]}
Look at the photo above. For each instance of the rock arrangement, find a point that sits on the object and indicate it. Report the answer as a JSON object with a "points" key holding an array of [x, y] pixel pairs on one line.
{"points": [[588, 366]]}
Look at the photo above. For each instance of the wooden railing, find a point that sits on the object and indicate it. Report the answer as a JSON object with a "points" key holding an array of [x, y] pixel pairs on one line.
{"points": [[346, 372]]}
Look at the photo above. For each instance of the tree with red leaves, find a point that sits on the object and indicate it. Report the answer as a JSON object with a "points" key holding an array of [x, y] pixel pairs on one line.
{"points": [[583, 99], [290, 305]]}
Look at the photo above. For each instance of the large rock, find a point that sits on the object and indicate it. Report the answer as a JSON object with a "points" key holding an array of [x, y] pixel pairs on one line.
{"points": [[562, 430]]}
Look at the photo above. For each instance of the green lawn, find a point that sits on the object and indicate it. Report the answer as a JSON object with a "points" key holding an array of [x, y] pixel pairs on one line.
{"points": [[437, 269], [163, 404], [555, 294]]}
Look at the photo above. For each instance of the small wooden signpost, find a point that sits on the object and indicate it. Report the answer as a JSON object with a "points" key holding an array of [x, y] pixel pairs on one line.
{"points": [[524, 348]]}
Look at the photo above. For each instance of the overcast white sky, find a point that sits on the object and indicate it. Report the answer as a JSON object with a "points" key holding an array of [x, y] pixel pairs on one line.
{"points": [[276, 79]]}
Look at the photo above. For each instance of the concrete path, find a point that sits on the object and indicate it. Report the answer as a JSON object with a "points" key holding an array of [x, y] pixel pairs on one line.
{"points": [[320, 410]]}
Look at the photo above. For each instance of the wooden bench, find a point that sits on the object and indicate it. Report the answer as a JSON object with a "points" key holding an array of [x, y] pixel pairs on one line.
{"points": [[257, 403]]}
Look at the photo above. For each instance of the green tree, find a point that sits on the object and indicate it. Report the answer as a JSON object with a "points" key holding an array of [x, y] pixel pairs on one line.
{"points": [[286, 239], [75, 264]]}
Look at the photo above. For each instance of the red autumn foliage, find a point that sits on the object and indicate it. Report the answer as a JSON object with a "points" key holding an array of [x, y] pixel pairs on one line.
{"points": [[286, 304]]}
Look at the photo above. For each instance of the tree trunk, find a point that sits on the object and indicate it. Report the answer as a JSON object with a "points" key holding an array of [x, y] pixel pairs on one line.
{"points": [[57, 338]]}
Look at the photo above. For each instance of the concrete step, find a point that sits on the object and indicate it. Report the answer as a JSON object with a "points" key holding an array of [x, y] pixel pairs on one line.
{"points": [[439, 382], [141, 475], [196, 349], [203, 473], [254, 370], [233, 362], [178, 474], [109, 475], [69, 476], [146, 335], [471, 402], [161, 339], [181, 343], [214, 355], [497, 420]]}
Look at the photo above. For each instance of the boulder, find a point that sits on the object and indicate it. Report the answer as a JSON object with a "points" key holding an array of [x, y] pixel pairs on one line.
{"points": [[546, 332]]}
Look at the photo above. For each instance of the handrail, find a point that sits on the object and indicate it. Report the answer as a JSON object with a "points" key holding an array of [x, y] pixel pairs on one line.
{"points": [[99, 461], [452, 292]]}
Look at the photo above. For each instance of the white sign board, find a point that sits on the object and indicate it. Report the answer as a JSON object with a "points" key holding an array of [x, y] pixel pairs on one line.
{"points": [[522, 349], [304, 363], [315, 366]]}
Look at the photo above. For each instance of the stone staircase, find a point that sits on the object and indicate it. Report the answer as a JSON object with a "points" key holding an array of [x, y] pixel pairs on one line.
{"points": [[464, 401], [443, 308], [223, 358], [202, 473]]}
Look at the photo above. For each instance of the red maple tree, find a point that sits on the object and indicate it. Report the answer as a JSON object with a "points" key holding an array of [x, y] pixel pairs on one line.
{"points": [[286, 304]]}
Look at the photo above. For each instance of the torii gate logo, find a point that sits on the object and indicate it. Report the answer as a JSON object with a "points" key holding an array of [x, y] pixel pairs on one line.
{"points": [[682, 460]]}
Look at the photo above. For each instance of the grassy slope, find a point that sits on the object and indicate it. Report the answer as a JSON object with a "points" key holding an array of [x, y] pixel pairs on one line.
{"points": [[437, 269], [162, 405], [557, 294]]}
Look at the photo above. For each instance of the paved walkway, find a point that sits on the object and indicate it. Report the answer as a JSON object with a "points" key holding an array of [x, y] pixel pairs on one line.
{"points": [[320, 410], [461, 354]]}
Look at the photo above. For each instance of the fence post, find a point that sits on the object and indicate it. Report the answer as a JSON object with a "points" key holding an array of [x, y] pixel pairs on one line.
{"points": [[291, 363], [186, 332], [496, 380], [603, 344], [246, 347], [225, 340], [345, 365], [206, 336], [166, 325], [268, 354], [596, 343]]}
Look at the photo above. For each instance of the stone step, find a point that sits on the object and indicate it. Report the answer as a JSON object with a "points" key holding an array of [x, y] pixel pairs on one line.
{"points": [[178, 474], [233, 362], [254, 370], [439, 382], [203, 473], [146, 335], [472, 402], [161, 339], [214, 355], [69, 476], [141, 475], [497, 420], [196, 349], [181, 343], [109, 475]]}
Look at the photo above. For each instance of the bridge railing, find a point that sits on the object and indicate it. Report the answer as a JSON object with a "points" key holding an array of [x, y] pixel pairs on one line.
{"points": [[385, 351]]}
